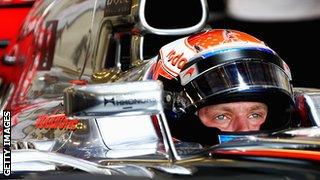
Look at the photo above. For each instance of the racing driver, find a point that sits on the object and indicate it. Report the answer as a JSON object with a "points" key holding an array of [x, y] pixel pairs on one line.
{"points": [[221, 83]]}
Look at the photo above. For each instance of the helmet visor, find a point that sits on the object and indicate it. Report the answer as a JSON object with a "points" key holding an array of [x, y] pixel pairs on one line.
{"points": [[239, 76]]}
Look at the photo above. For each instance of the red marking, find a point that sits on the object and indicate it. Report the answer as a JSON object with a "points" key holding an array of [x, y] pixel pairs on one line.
{"points": [[189, 72], [189, 46], [78, 82], [136, 31], [177, 59], [160, 69], [275, 153], [57, 121], [302, 111]]}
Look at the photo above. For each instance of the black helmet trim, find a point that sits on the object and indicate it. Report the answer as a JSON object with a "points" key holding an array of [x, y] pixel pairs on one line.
{"points": [[237, 77], [222, 56]]}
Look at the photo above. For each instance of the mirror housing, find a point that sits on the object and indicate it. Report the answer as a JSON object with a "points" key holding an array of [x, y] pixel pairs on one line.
{"points": [[178, 31]]}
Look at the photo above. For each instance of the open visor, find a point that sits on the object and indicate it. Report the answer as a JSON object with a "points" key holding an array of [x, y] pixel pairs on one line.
{"points": [[238, 76]]}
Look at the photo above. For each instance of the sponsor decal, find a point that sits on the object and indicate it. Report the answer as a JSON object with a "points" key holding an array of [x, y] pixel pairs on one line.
{"points": [[176, 59], [6, 143], [172, 64], [127, 101], [173, 57], [118, 7], [189, 72], [56, 121]]}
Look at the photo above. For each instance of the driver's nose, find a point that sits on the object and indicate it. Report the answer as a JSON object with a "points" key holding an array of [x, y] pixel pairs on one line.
{"points": [[241, 124]]}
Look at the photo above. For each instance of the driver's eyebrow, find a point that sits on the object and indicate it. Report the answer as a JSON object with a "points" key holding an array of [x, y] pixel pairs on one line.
{"points": [[228, 108], [223, 108], [258, 107]]}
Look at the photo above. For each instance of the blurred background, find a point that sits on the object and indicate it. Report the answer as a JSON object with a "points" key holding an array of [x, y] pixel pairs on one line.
{"points": [[290, 27]]}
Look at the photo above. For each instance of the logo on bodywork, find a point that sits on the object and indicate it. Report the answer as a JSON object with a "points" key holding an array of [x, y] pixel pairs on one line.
{"points": [[128, 101], [118, 7], [56, 121]]}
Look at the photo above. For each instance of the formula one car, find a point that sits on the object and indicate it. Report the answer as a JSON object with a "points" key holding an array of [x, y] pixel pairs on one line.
{"points": [[86, 106]]}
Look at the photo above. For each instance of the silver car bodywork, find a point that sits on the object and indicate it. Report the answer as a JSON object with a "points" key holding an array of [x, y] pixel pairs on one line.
{"points": [[66, 112], [63, 43]]}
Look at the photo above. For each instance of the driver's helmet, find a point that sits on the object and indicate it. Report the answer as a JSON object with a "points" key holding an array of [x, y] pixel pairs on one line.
{"points": [[220, 66]]}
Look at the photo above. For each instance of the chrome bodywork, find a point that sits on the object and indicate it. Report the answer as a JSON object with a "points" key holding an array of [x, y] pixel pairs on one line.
{"points": [[93, 40], [67, 43], [63, 43], [6, 90]]}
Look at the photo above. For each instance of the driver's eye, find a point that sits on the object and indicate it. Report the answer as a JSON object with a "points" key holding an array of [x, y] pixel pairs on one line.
{"points": [[220, 117], [255, 116]]}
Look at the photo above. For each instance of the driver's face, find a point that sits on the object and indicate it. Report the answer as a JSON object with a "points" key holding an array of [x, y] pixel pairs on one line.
{"points": [[235, 116]]}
